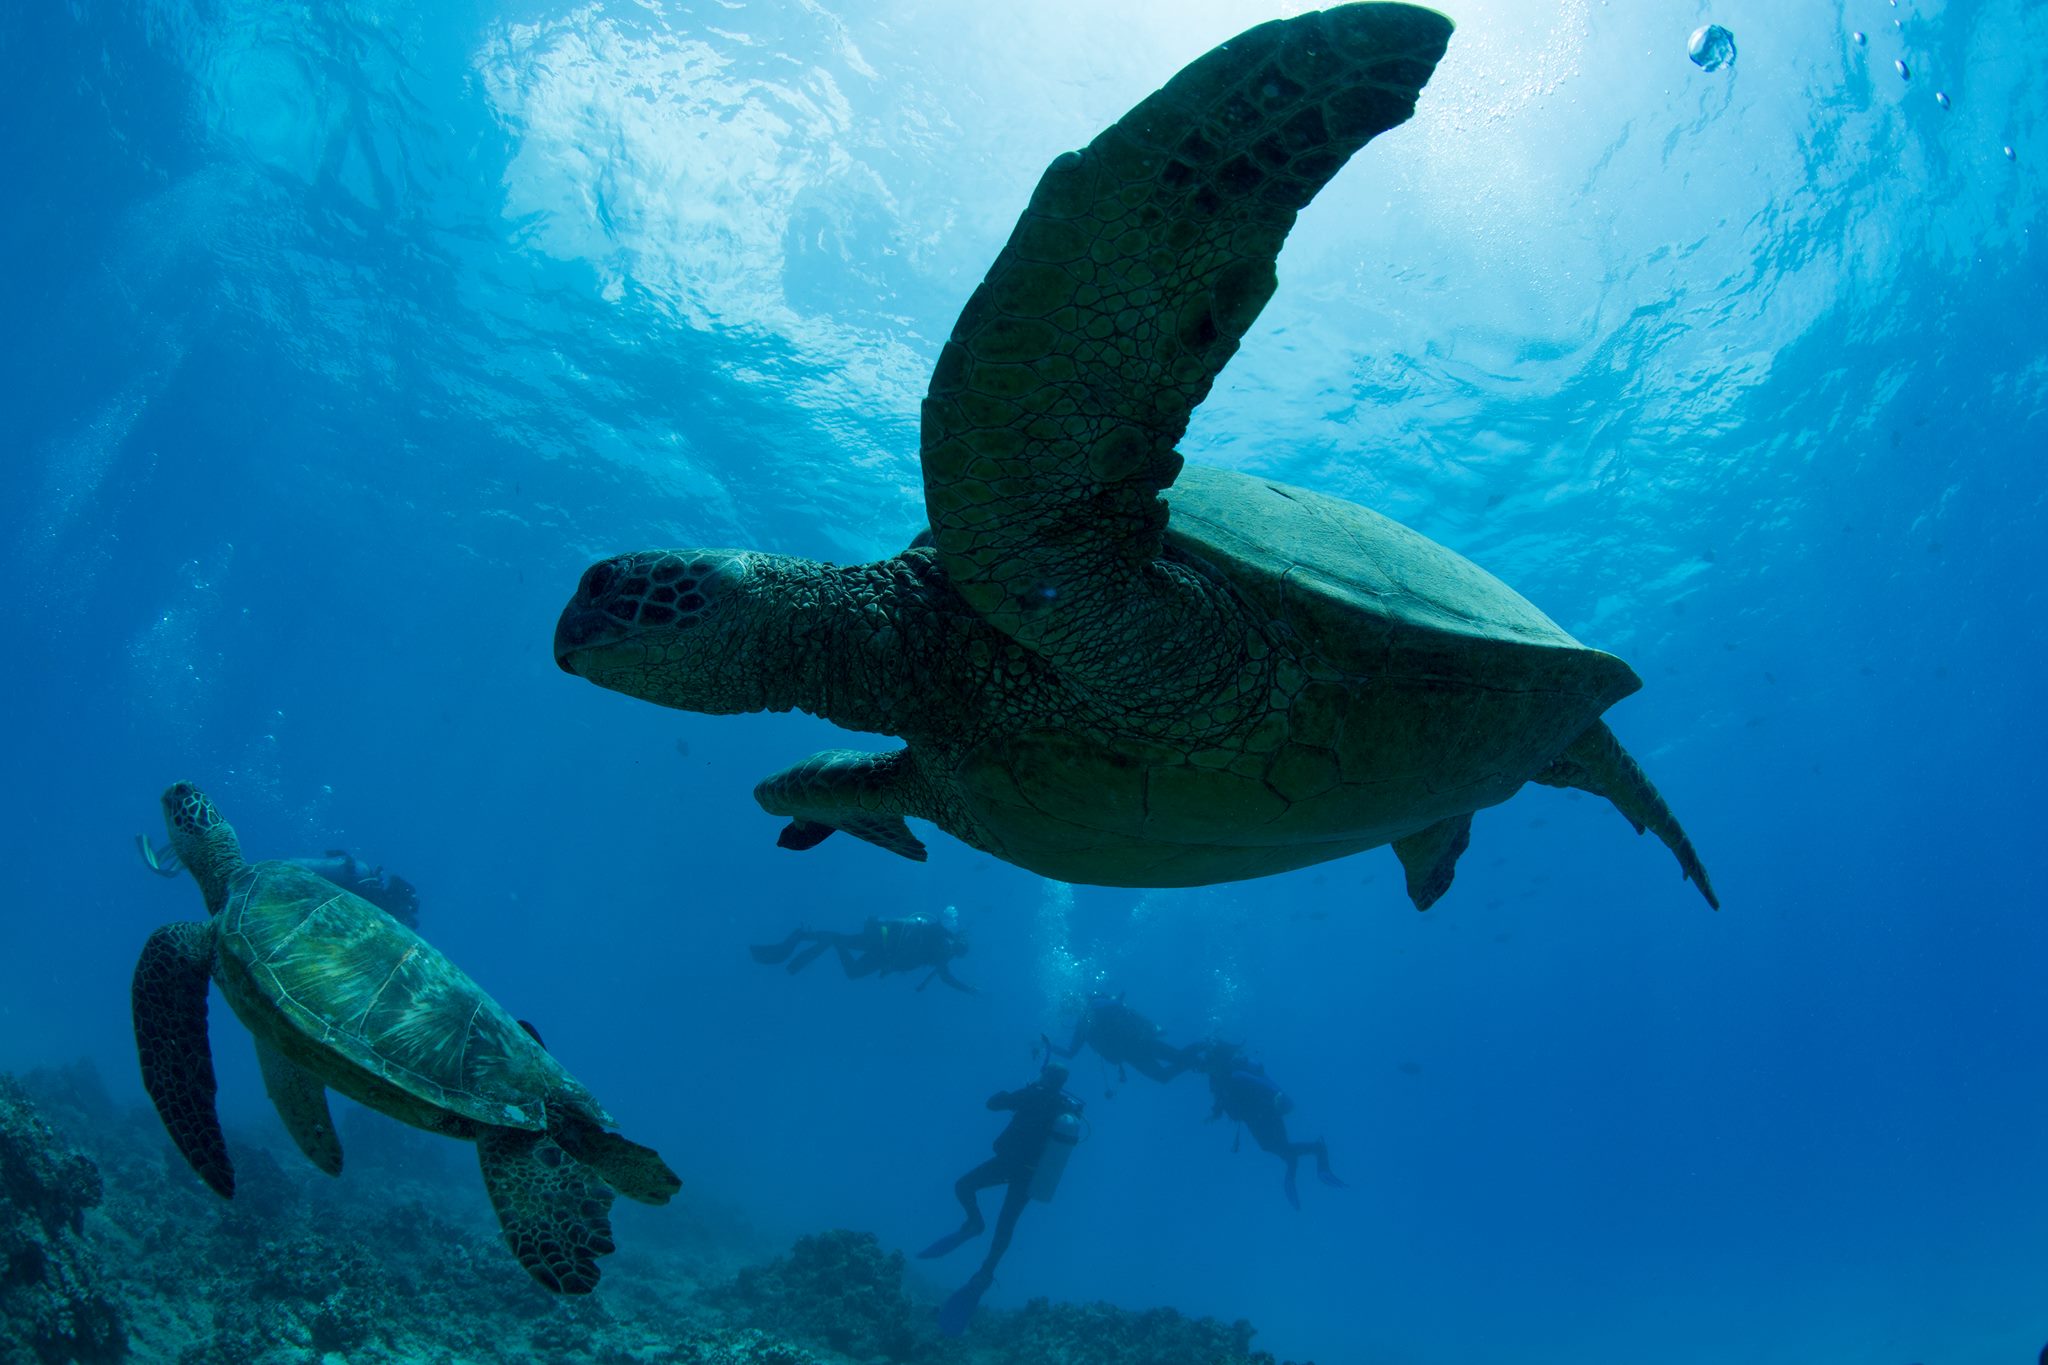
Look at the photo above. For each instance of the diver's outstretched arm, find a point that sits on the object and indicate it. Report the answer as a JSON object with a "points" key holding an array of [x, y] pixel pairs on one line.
{"points": [[1073, 1048], [1163, 1063], [945, 974]]}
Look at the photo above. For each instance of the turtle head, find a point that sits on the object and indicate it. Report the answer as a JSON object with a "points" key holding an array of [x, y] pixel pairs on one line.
{"points": [[691, 629], [203, 841]]}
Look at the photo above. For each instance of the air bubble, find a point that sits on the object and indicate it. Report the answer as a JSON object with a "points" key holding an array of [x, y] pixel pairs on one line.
{"points": [[1941, 98], [1711, 48], [1905, 74], [1860, 39]]}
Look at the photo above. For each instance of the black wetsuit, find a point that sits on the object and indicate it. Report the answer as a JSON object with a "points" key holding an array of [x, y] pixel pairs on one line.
{"points": [[389, 892], [882, 947], [1018, 1148], [1242, 1091], [1121, 1036]]}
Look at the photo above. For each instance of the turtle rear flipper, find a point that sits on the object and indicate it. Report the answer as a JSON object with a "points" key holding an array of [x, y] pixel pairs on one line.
{"points": [[637, 1172], [168, 997], [301, 1102], [1430, 858], [1597, 763], [865, 794], [556, 1216]]}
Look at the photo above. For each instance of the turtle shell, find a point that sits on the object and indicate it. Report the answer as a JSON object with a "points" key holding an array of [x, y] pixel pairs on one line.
{"points": [[1370, 598], [353, 980], [1424, 686], [1407, 686]]}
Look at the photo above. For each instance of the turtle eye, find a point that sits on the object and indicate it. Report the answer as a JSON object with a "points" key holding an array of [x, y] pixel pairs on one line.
{"points": [[598, 579]]}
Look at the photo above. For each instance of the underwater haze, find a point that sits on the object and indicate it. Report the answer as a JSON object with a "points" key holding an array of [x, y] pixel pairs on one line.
{"points": [[341, 337]]}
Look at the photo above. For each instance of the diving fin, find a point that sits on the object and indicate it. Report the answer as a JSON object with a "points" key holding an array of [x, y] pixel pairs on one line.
{"points": [[955, 1312], [768, 954], [811, 953]]}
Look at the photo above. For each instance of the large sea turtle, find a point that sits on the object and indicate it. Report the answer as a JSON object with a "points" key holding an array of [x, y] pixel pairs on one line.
{"points": [[341, 995], [1110, 668]]}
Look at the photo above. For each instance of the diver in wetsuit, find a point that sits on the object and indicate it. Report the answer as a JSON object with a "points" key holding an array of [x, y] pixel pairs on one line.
{"points": [[1242, 1091], [881, 947], [388, 891], [1121, 1036], [1020, 1150]]}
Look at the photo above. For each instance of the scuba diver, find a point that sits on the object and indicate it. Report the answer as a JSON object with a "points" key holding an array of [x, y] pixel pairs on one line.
{"points": [[882, 947], [1121, 1036], [388, 891], [1244, 1092], [1031, 1154]]}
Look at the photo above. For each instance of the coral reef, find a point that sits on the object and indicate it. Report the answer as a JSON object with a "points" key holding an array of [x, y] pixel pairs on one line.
{"points": [[53, 1304], [1045, 1331], [838, 1290], [110, 1249]]}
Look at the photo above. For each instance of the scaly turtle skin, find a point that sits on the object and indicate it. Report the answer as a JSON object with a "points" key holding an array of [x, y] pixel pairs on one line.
{"points": [[341, 996], [1109, 668]]}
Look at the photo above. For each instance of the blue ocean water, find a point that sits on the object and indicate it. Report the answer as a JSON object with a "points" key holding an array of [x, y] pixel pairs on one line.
{"points": [[341, 337]]}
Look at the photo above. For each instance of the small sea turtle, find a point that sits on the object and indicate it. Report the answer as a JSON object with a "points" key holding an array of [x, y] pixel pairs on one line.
{"points": [[1110, 668], [341, 995]]}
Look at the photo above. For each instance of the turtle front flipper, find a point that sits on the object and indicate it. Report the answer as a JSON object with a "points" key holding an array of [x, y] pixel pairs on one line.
{"points": [[556, 1215], [168, 996], [865, 794], [1597, 763], [1137, 268], [301, 1102]]}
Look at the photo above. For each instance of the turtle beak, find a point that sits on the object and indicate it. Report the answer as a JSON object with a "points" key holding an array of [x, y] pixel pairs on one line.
{"points": [[585, 623], [578, 626], [586, 640]]}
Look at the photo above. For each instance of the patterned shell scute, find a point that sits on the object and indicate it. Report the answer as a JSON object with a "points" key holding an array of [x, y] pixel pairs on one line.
{"points": [[353, 979], [1368, 598]]}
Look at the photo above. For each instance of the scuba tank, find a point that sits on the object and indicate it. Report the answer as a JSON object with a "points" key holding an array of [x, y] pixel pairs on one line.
{"points": [[1052, 1163], [1253, 1077]]}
